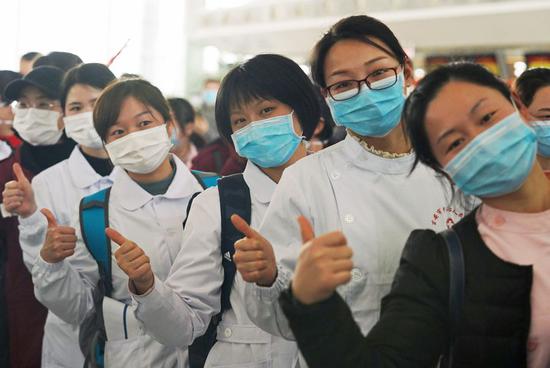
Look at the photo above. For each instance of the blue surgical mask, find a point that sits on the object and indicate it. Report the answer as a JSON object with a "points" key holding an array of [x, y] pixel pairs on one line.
{"points": [[209, 97], [267, 143], [371, 113], [542, 129], [497, 161], [174, 139]]}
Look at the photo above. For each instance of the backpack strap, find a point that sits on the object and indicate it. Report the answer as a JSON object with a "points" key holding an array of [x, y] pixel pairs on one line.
{"points": [[206, 179], [456, 286], [94, 219], [234, 199]]}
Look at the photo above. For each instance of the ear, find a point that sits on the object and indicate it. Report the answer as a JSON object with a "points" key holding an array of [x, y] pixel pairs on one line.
{"points": [[523, 111], [319, 128], [189, 128], [170, 126], [408, 72]]}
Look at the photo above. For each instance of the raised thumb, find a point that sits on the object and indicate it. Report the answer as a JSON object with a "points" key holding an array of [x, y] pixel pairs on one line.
{"points": [[52, 222], [305, 229], [19, 174], [115, 236]]}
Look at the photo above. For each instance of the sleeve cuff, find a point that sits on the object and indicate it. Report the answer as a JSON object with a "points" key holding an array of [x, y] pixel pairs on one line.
{"points": [[5, 213], [271, 293], [33, 220], [148, 295]]}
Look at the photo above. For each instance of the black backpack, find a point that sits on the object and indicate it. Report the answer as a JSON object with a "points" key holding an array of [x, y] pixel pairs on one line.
{"points": [[234, 199]]}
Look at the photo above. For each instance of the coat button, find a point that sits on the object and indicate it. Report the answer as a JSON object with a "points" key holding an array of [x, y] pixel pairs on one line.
{"points": [[227, 332], [356, 274], [349, 218], [335, 175]]}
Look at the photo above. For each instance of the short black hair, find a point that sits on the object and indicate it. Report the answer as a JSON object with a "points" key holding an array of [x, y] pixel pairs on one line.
{"points": [[268, 76], [529, 82], [109, 103], [416, 105], [358, 27], [30, 56], [92, 74], [62, 60], [183, 111]]}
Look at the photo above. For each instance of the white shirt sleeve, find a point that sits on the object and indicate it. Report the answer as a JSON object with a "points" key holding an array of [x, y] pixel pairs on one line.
{"points": [[32, 229], [179, 310], [66, 287], [281, 228]]}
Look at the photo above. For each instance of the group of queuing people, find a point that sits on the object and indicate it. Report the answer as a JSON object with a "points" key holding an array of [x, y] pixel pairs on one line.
{"points": [[420, 239]]}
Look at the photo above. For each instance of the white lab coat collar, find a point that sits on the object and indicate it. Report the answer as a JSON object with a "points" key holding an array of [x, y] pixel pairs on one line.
{"points": [[362, 158], [82, 173], [131, 196], [261, 186]]}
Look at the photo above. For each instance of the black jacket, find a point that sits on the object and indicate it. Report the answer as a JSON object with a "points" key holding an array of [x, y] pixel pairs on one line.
{"points": [[413, 330]]}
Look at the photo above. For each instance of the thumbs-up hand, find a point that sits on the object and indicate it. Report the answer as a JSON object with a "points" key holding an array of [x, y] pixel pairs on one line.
{"points": [[60, 240], [254, 257], [324, 264], [133, 261], [18, 196]]}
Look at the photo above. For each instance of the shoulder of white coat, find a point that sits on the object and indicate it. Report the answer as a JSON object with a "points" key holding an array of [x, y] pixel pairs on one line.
{"points": [[208, 200], [314, 163]]}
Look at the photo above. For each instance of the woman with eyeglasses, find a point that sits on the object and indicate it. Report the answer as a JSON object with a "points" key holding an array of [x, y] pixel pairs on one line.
{"points": [[39, 122], [362, 186], [462, 123], [59, 189]]}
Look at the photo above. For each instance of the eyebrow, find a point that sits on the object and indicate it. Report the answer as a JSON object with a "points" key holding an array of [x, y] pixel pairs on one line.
{"points": [[476, 106], [445, 135], [544, 109], [372, 61], [143, 113]]}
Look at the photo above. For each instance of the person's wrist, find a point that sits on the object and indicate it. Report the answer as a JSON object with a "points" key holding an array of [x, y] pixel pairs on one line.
{"points": [[29, 212], [268, 282], [141, 287], [46, 257]]}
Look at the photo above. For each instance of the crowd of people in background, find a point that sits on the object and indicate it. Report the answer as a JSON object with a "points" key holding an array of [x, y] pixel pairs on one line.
{"points": [[354, 217]]}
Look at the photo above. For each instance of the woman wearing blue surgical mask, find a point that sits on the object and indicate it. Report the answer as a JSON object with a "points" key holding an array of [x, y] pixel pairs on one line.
{"points": [[147, 203], [490, 311], [361, 185], [59, 189], [265, 107], [532, 96]]}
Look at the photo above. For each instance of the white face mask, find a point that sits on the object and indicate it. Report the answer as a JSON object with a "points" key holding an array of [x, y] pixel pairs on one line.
{"points": [[80, 127], [140, 152], [37, 127]]}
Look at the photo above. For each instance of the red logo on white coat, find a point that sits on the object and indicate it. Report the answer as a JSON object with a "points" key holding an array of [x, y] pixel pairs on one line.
{"points": [[447, 214]]}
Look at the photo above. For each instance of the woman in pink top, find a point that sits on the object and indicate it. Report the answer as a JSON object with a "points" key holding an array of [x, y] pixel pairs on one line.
{"points": [[462, 123]]}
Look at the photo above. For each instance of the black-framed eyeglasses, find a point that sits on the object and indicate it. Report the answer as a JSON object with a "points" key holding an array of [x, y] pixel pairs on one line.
{"points": [[378, 80]]}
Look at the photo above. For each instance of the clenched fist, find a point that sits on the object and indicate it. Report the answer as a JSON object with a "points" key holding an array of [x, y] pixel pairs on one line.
{"points": [[133, 261], [18, 196], [60, 240], [324, 264], [254, 255]]}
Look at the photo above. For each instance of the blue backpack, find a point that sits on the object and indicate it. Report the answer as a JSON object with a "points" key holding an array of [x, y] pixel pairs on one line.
{"points": [[94, 219]]}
